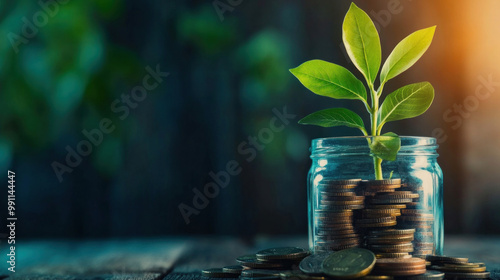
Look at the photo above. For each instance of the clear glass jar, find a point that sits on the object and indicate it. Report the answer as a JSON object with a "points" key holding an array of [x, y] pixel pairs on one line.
{"points": [[395, 217]]}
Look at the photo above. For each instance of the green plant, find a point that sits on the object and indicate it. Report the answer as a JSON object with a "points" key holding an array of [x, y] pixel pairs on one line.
{"points": [[362, 43]]}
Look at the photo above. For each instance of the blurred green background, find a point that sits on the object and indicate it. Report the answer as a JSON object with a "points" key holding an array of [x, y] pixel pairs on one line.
{"points": [[64, 64]]}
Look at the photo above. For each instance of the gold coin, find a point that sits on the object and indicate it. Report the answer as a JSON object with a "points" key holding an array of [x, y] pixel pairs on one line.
{"points": [[464, 265], [393, 248], [387, 224], [392, 231], [342, 207], [381, 182], [376, 220], [408, 272], [390, 240], [376, 277], [399, 263], [460, 269], [336, 194], [342, 202], [416, 218], [415, 212], [392, 255], [385, 206]]}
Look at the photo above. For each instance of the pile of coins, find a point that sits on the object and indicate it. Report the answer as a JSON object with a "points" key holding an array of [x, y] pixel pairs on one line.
{"points": [[355, 213], [334, 216], [269, 264], [354, 263], [458, 268]]}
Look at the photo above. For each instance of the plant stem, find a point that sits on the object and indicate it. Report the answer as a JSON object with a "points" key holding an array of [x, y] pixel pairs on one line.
{"points": [[377, 162]]}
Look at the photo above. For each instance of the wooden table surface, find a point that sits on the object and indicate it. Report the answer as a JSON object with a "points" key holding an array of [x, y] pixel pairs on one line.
{"points": [[177, 258]]}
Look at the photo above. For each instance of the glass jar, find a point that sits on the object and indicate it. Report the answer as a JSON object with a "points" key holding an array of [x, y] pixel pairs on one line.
{"points": [[401, 215]]}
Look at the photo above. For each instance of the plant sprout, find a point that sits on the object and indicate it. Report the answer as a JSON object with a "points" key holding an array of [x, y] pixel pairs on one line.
{"points": [[362, 43]]}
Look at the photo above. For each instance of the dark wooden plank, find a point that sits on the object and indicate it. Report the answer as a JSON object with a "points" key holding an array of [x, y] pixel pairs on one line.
{"points": [[210, 252], [129, 276], [110, 257]]}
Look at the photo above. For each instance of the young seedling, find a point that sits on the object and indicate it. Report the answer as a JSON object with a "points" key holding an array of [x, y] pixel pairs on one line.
{"points": [[362, 43]]}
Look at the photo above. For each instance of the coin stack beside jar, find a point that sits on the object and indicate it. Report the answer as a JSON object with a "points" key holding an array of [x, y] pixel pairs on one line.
{"points": [[337, 206], [420, 218]]}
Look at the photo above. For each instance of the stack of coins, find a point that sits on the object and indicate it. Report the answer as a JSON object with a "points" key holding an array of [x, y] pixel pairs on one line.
{"points": [[458, 268], [400, 267], [422, 222], [383, 205], [390, 243], [418, 217], [337, 205]]}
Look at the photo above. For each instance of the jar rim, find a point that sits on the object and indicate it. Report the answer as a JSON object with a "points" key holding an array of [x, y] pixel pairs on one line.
{"points": [[359, 145]]}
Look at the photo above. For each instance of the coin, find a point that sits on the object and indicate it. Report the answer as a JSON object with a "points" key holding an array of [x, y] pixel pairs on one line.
{"points": [[327, 231], [390, 200], [281, 253], [392, 255], [342, 207], [337, 182], [260, 278], [339, 242], [393, 248], [381, 182], [337, 237], [386, 206], [260, 272], [235, 269], [386, 232], [342, 202], [218, 273], [312, 263], [405, 272], [343, 198], [382, 211], [445, 259], [478, 275], [399, 263], [464, 265], [376, 220], [391, 240], [414, 212], [329, 187], [325, 213], [386, 224], [251, 261], [348, 264], [423, 252], [459, 269], [294, 275], [398, 195], [336, 248], [376, 277], [416, 218], [337, 194], [335, 219]]}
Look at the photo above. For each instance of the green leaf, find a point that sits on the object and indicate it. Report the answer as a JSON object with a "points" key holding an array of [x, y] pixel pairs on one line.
{"points": [[362, 42], [406, 102], [334, 117], [386, 146], [331, 80], [406, 53]]}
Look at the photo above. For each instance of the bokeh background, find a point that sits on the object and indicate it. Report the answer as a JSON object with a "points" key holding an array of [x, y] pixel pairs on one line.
{"points": [[227, 72]]}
